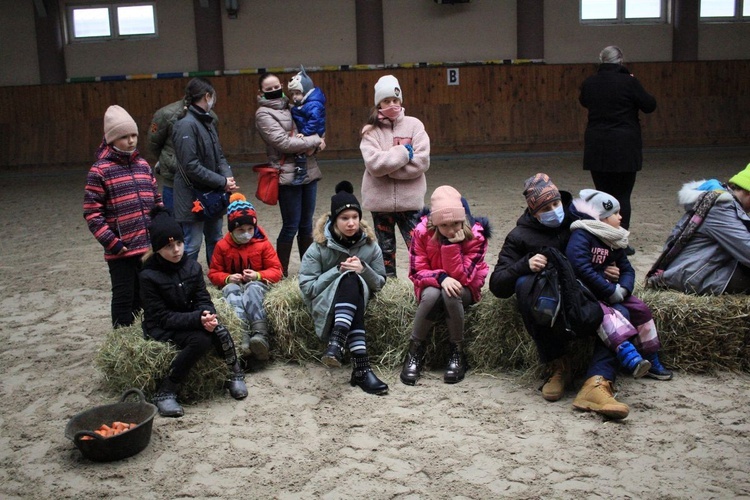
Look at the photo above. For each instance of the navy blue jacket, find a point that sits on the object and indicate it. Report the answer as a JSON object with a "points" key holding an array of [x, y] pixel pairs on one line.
{"points": [[589, 256]]}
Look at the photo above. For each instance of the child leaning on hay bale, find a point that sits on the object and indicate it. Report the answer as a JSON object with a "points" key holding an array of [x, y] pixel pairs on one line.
{"points": [[244, 263], [177, 308], [597, 241], [338, 274], [447, 267]]}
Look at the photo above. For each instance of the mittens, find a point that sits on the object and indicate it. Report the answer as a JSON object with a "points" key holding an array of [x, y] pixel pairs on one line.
{"points": [[619, 295]]}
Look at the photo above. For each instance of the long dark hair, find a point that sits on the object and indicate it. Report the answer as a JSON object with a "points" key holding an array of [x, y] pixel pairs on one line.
{"points": [[195, 90], [372, 120]]}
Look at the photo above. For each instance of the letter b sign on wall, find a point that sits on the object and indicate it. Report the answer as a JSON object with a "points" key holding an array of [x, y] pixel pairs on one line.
{"points": [[452, 76]]}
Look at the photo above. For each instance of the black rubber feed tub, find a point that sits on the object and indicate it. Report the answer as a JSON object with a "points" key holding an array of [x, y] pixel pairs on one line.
{"points": [[117, 447]]}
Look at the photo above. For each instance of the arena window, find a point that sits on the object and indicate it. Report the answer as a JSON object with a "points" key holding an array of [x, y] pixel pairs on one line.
{"points": [[725, 10], [623, 11], [100, 22]]}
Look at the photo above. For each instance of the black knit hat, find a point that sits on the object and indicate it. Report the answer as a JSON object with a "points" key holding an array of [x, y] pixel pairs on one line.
{"points": [[344, 199], [163, 229]]}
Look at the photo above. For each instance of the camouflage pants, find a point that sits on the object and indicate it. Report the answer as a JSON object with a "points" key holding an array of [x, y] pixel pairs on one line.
{"points": [[385, 229]]}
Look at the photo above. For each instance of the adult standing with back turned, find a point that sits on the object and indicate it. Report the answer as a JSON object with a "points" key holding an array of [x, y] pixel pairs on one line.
{"points": [[612, 143]]}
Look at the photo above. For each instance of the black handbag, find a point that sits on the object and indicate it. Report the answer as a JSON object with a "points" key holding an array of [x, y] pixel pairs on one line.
{"points": [[210, 205], [207, 205]]}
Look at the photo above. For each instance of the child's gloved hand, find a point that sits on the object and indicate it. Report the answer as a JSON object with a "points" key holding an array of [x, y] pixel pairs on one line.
{"points": [[410, 149], [458, 237], [619, 295]]}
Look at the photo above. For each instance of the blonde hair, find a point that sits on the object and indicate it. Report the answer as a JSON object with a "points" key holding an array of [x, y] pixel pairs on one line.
{"points": [[147, 255], [468, 234]]}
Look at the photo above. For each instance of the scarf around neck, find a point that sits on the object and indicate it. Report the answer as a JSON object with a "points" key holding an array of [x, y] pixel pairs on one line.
{"points": [[614, 237]]}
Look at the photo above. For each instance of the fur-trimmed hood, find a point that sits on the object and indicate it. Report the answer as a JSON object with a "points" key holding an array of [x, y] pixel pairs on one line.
{"points": [[319, 231], [690, 192]]}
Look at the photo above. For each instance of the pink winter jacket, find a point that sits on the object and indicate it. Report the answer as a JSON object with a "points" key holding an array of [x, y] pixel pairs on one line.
{"points": [[392, 182], [464, 262]]}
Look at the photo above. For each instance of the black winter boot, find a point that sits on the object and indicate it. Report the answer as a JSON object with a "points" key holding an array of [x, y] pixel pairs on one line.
{"points": [[166, 399], [227, 345], [284, 250], [334, 355], [457, 365], [258, 342], [303, 243], [236, 382], [413, 363], [363, 376]]}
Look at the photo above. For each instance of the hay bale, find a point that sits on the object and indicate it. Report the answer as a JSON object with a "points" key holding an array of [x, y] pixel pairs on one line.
{"points": [[127, 360], [698, 334], [701, 333]]}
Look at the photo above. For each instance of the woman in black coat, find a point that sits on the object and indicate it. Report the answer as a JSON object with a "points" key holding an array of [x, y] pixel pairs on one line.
{"points": [[613, 147]]}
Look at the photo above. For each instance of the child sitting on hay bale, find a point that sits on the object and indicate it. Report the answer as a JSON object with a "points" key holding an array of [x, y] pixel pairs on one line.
{"points": [[447, 267], [338, 274], [244, 263], [177, 308], [597, 241]]}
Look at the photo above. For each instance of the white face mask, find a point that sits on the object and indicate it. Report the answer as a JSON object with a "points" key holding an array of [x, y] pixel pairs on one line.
{"points": [[242, 238], [553, 218]]}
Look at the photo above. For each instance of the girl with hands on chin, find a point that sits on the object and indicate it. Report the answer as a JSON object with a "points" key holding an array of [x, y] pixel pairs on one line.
{"points": [[447, 267], [338, 274]]}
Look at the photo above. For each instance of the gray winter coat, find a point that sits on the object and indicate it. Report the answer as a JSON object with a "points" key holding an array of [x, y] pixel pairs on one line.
{"points": [[160, 139], [709, 259], [274, 123], [198, 151], [319, 275]]}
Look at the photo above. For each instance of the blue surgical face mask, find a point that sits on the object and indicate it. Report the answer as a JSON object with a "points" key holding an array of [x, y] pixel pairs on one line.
{"points": [[553, 218]]}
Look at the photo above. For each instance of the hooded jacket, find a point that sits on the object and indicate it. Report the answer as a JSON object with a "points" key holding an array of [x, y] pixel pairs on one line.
{"points": [[174, 296], [273, 121], [589, 256], [613, 97], [709, 259], [199, 153], [319, 274], [392, 182], [431, 260], [310, 116], [258, 254], [120, 193], [528, 238], [160, 139]]}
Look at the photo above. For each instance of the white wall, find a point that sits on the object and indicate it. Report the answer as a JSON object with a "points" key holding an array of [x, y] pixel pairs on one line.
{"points": [[18, 55], [718, 41], [288, 33], [566, 40], [173, 50], [270, 33], [423, 31]]}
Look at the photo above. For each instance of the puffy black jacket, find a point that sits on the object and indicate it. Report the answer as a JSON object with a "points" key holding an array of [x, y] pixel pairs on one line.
{"points": [[173, 296], [528, 238]]}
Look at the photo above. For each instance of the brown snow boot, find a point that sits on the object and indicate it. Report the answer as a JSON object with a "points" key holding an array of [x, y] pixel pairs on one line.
{"points": [[558, 376], [597, 395]]}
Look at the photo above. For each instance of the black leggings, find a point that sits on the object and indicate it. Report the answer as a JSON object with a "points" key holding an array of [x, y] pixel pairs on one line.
{"points": [[620, 185], [193, 344]]}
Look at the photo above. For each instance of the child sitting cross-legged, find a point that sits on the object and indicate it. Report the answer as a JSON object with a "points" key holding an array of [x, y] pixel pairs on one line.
{"points": [[597, 241], [244, 263]]}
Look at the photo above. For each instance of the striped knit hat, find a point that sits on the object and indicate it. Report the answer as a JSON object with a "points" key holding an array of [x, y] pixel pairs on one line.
{"points": [[240, 211], [539, 191]]}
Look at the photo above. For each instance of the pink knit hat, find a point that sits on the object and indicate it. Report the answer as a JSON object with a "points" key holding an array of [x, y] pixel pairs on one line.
{"points": [[446, 206], [118, 123]]}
